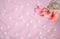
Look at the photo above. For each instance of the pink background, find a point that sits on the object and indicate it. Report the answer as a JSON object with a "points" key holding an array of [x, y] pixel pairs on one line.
{"points": [[19, 21]]}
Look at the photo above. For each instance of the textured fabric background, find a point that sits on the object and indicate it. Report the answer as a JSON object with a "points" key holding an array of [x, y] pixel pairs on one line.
{"points": [[19, 21]]}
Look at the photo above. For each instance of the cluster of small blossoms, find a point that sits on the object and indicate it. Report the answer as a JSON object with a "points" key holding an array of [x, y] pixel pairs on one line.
{"points": [[50, 14]]}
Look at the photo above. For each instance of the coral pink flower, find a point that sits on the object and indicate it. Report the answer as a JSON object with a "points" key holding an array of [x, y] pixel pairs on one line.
{"points": [[45, 12]]}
